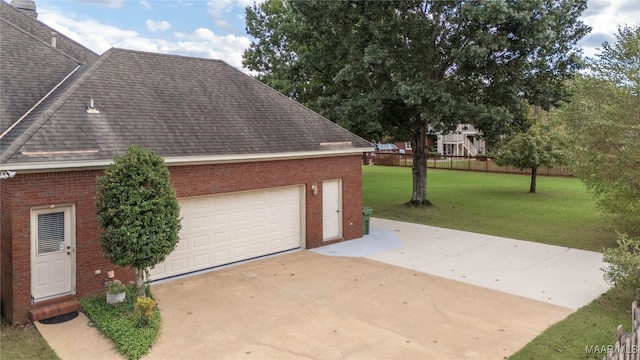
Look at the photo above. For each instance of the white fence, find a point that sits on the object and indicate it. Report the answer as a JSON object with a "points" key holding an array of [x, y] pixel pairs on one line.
{"points": [[627, 346]]}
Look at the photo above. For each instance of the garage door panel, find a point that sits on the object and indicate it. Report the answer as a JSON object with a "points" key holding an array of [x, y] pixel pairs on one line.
{"points": [[177, 265], [201, 261], [222, 256], [221, 229], [201, 241], [240, 252], [199, 222], [220, 220]]}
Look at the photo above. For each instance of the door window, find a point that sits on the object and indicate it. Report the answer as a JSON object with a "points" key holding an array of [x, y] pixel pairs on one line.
{"points": [[51, 233]]}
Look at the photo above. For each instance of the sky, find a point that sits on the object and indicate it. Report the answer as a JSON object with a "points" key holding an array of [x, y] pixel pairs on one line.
{"points": [[216, 28]]}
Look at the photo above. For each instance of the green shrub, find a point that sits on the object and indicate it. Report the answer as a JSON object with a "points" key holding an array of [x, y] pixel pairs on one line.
{"points": [[144, 309], [120, 323], [623, 263]]}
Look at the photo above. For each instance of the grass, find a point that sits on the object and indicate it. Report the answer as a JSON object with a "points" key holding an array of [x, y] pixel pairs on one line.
{"points": [[560, 213], [120, 324], [23, 342], [591, 326]]}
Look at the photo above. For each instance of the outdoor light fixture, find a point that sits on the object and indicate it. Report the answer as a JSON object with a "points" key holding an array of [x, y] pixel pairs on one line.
{"points": [[7, 174], [314, 188]]}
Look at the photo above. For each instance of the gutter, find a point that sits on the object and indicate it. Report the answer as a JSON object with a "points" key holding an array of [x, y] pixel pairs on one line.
{"points": [[32, 167]]}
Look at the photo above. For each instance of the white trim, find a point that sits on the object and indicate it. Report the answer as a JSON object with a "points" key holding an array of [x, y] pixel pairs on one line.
{"points": [[186, 160]]}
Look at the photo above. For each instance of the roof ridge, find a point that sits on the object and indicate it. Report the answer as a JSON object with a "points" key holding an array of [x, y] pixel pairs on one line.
{"points": [[40, 41], [17, 12], [44, 116], [166, 55]]}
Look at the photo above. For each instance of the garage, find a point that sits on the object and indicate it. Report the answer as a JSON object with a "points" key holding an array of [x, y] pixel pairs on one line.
{"points": [[227, 228]]}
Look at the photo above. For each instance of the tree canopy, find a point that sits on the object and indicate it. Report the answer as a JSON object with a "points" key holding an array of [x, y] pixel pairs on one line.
{"points": [[138, 211], [402, 69], [544, 144], [604, 120]]}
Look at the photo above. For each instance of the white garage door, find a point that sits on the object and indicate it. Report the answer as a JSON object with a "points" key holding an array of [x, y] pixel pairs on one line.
{"points": [[222, 229]]}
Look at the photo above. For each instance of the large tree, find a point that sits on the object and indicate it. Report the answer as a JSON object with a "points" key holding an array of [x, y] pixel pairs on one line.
{"points": [[405, 68], [138, 211], [604, 120]]}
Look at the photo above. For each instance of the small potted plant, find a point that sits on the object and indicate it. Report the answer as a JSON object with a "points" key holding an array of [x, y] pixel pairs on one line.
{"points": [[116, 292]]}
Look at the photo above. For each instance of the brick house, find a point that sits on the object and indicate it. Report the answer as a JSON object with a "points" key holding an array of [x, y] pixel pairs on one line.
{"points": [[255, 172]]}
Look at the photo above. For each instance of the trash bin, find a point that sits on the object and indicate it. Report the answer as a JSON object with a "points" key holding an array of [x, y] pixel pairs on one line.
{"points": [[366, 220]]}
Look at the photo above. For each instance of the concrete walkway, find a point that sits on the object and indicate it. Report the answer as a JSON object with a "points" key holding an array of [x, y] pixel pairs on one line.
{"points": [[557, 275], [353, 305]]}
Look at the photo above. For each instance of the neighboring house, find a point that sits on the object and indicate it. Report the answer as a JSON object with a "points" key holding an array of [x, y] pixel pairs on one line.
{"points": [[386, 148], [463, 141], [255, 172]]}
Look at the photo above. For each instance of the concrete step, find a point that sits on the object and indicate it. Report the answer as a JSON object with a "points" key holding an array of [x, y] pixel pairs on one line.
{"points": [[51, 310]]}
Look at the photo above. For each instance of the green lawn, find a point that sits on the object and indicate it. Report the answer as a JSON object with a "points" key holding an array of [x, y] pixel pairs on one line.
{"points": [[592, 325], [560, 213], [23, 342]]}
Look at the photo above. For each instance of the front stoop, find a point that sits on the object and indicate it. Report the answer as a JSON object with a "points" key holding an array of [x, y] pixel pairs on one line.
{"points": [[49, 311]]}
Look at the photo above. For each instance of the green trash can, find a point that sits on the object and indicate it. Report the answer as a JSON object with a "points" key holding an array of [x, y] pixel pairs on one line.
{"points": [[366, 219]]}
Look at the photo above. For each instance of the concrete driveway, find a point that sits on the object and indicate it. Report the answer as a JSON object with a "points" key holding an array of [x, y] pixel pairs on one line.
{"points": [[306, 305], [371, 298]]}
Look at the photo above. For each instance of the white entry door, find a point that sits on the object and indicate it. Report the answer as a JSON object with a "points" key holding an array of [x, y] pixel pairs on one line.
{"points": [[52, 252], [331, 209]]}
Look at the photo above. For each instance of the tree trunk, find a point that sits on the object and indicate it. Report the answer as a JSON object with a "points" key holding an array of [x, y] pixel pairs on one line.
{"points": [[534, 175], [139, 276], [419, 168]]}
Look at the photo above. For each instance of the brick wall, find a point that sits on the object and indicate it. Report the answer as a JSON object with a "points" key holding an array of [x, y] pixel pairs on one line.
{"points": [[26, 191], [6, 260]]}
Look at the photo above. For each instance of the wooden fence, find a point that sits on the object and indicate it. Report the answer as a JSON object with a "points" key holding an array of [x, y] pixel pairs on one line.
{"points": [[467, 163], [627, 346]]}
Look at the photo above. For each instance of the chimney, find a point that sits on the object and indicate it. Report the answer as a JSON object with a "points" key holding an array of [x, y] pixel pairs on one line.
{"points": [[54, 39], [26, 6]]}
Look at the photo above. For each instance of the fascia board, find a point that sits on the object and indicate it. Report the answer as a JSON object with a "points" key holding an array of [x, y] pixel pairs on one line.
{"points": [[182, 160]]}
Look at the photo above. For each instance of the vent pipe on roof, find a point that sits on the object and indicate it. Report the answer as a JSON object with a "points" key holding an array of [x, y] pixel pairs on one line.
{"points": [[91, 109], [54, 39], [26, 6]]}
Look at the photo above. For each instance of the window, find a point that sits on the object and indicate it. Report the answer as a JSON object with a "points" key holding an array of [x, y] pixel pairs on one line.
{"points": [[407, 146], [50, 232]]}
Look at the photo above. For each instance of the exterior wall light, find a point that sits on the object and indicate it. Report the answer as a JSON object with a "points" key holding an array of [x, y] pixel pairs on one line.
{"points": [[314, 188]]}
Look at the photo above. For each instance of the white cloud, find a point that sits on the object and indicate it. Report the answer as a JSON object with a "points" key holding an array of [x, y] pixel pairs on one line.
{"points": [[114, 4], [155, 26], [605, 16], [99, 37], [145, 4], [219, 8]]}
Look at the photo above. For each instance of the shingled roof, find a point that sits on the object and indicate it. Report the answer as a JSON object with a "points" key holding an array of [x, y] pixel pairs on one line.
{"points": [[185, 109], [29, 66]]}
